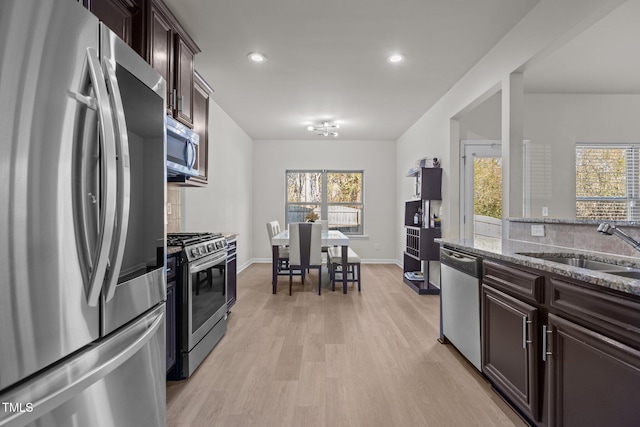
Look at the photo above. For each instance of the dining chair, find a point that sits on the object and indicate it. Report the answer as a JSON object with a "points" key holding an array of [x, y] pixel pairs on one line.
{"points": [[325, 227], [273, 228], [305, 250], [335, 266]]}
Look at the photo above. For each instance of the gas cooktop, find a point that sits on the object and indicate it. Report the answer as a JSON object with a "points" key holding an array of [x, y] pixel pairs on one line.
{"points": [[186, 239], [198, 245]]}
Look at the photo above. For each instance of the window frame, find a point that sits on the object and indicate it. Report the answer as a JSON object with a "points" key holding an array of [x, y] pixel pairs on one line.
{"points": [[632, 177], [324, 203]]}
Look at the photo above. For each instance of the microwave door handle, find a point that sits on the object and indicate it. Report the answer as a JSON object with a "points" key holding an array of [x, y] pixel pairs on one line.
{"points": [[123, 202], [98, 269], [189, 154], [193, 157], [185, 153]]}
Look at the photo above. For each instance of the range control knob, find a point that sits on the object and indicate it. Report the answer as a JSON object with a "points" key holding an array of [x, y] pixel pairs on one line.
{"points": [[210, 247], [194, 252]]}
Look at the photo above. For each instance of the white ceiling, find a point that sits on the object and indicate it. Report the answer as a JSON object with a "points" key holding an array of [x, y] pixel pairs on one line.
{"points": [[603, 59], [327, 60]]}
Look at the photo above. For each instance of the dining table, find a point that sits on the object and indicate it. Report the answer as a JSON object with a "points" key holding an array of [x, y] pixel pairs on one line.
{"points": [[329, 238]]}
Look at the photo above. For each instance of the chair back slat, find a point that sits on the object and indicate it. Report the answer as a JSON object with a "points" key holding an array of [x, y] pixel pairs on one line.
{"points": [[305, 244]]}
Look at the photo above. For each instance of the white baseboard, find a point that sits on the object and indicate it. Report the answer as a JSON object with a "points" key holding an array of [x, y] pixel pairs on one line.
{"points": [[364, 261]]}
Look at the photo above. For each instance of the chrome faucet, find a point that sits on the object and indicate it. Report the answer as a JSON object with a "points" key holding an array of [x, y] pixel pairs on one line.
{"points": [[610, 230]]}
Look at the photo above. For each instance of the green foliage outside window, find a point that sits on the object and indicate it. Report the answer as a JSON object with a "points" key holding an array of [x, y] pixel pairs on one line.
{"points": [[487, 189], [601, 173]]}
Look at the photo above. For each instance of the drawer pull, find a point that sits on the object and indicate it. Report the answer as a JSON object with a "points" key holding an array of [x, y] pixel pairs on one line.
{"points": [[545, 352], [525, 341]]}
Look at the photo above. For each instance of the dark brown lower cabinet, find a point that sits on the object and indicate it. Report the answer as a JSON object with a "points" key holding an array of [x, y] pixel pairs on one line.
{"points": [[232, 271], [563, 352], [594, 379], [509, 348], [171, 344]]}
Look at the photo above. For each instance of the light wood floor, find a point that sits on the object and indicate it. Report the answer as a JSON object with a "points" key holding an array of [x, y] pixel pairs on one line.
{"points": [[361, 359]]}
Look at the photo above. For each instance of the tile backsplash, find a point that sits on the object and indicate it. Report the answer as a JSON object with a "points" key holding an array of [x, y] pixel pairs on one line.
{"points": [[576, 235], [173, 215]]}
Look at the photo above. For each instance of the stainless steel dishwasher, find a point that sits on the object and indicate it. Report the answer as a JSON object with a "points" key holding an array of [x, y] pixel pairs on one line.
{"points": [[460, 281]]}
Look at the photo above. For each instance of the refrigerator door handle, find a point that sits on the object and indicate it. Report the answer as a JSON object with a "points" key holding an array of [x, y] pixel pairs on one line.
{"points": [[98, 270], [47, 392], [123, 202]]}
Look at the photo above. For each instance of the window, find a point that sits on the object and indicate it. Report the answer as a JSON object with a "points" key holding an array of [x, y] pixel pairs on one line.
{"points": [[332, 195], [607, 181]]}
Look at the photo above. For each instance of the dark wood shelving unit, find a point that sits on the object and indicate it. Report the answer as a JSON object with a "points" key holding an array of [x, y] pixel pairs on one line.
{"points": [[420, 246]]}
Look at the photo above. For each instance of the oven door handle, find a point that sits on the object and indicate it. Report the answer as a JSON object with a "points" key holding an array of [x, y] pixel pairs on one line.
{"points": [[206, 263]]}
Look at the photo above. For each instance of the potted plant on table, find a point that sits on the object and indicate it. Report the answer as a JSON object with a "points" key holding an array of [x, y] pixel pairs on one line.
{"points": [[311, 217]]}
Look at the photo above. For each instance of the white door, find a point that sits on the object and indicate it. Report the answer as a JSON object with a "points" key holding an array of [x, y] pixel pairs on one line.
{"points": [[481, 192]]}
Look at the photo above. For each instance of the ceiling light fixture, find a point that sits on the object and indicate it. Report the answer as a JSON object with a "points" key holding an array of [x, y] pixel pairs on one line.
{"points": [[325, 128], [257, 57], [395, 58]]}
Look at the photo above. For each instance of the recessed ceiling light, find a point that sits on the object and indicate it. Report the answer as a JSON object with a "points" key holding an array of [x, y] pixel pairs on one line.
{"points": [[257, 57], [395, 58]]}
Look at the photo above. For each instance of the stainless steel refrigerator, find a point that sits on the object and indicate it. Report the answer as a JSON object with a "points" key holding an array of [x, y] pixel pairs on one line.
{"points": [[82, 191]]}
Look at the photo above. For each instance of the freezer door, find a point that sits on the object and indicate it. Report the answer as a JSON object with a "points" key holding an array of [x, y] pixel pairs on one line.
{"points": [[117, 382], [49, 109]]}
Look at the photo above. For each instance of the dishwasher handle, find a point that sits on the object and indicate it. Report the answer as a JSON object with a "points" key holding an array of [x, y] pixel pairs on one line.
{"points": [[461, 261]]}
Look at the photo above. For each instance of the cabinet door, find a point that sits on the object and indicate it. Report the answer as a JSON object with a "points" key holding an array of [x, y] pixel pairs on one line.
{"points": [[231, 281], [509, 355], [116, 14], [161, 51], [594, 380], [184, 82], [171, 346], [201, 126]]}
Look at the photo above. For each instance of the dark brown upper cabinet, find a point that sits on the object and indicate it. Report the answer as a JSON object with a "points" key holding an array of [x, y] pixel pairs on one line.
{"points": [[201, 93], [170, 50], [118, 15]]}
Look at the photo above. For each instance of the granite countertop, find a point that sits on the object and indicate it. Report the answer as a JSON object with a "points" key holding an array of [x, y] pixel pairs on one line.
{"points": [[516, 252], [173, 250], [230, 234], [595, 222]]}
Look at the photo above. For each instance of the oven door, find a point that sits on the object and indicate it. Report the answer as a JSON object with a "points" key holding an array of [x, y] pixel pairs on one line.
{"points": [[206, 296]]}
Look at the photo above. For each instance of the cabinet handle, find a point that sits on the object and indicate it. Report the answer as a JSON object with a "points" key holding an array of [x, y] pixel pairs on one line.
{"points": [[545, 333], [525, 341], [181, 109], [174, 95]]}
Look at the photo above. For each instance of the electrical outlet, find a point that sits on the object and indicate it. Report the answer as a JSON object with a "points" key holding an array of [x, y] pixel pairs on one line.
{"points": [[545, 211], [168, 208], [537, 230]]}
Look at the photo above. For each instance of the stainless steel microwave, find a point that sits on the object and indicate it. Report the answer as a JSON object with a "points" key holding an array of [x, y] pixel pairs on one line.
{"points": [[182, 150]]}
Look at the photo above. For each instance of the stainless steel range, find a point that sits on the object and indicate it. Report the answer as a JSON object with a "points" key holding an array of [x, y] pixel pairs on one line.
{"points": [[202, 297]]}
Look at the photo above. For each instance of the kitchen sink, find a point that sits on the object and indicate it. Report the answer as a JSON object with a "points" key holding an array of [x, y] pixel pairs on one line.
{"points": [[633, 273], [583, 263]]}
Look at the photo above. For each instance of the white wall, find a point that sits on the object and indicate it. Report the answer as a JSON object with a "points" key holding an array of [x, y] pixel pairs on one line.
{"points": [[435, 134], [376, 158], [553, 123], [484, 121], [226, 203]]}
